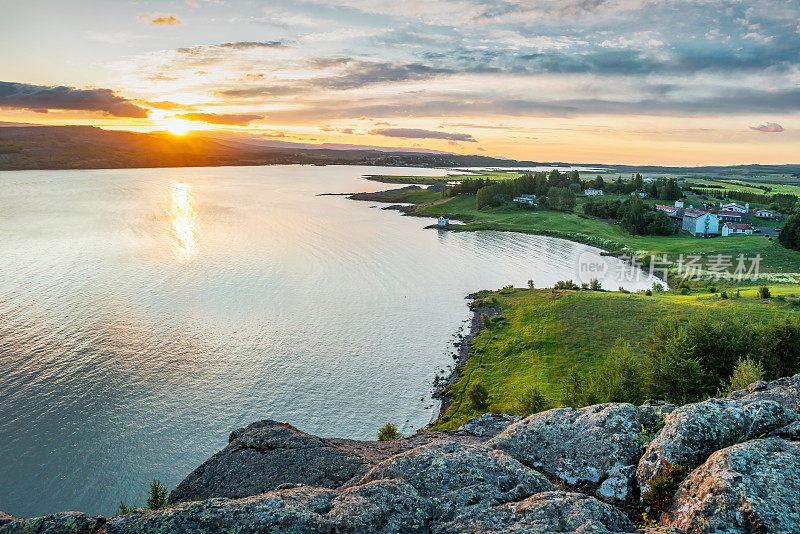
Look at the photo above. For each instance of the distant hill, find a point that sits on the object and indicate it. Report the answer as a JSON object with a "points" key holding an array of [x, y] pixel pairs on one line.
{"points": [[88, 147]]}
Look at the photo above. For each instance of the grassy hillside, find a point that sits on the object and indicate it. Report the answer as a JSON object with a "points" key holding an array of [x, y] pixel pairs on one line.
{"points": [[545, 334]]}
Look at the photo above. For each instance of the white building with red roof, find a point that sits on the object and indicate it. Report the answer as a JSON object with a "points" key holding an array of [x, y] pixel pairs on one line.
{"points": [[732, 228], [733, 206], [729, 215], [669, 210], [765, 214]]}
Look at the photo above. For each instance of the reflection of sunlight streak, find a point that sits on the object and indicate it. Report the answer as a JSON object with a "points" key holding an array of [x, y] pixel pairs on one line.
{"points": [[183, 217]]}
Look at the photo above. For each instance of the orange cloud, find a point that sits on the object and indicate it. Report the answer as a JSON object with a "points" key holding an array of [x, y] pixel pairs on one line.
{"points": [[228, 119], [168, 20]]}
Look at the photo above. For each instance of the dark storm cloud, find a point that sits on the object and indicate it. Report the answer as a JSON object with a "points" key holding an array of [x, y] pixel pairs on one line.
{"points": [[42, 98], [415, 133], [227, 119]]}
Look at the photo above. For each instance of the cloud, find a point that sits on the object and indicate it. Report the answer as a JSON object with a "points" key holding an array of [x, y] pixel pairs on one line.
{"points": [[770, 127], [227, 119], [42, 98], [416, 133], [166, 105], [166, 20], [244, 45]]}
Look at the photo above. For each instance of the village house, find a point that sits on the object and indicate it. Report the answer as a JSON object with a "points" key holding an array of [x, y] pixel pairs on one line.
{"points": [[641, 194], [529, 200], [593, 192], [729, 215], [669, 210], [679, 203], [700, 223], [731, 228], [733, 206], [765, 214]]}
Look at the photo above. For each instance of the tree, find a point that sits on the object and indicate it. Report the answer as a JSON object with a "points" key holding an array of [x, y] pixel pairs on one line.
{"points": [[598, 183], [619, 379], [158, 495], [478, 395], [566, 200], [388, 432], [747, 371], [632, 216], [574, 392], [660, 225], [531, 401], [763, 293], [595, 285], [672, 372], [790, 235]]}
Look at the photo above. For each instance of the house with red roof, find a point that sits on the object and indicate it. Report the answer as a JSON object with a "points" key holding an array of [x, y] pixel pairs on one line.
{"points": [[732, 228]]}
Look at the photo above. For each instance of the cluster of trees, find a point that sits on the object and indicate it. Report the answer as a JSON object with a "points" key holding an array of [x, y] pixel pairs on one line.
{"points": [[686, 362], [556, 189], [790, 235], [665, 189], [635, 216]]}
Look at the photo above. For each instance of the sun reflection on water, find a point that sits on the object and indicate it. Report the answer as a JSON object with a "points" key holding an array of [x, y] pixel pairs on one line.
{"points": [[183, 216]]}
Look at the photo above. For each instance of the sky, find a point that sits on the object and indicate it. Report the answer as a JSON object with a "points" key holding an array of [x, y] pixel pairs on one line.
{"points": [[672, 82]]}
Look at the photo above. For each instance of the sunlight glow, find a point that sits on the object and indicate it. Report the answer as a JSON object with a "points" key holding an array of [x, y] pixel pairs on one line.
{"points": [[183, 217], [177, 126]]}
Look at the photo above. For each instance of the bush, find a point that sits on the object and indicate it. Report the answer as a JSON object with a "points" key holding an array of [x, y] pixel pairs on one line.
{"points": [[747, 371], [594, 284], [619, 378], [125, 509], [532, 401], [388, 432], [723, 295], [478, 395], [575, 391], [658, 287], [158, 495], [663, 487], [672, 372], [485, 320], [648, 293], [763, 292]]}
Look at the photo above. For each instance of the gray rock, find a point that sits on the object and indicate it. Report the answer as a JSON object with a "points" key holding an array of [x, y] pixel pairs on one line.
{"points": [[62, 523], [456, 476], [790, 432], [382, 506], [784, 391], [268, 454], [593, 449], [691, 433], [750, 487], [291, 511], [547, 512], [489, 424]]}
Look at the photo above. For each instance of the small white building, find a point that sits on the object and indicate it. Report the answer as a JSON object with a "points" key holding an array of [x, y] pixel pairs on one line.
{"points": [[732, 228], [765, 214], [669, 210], [700, 223], [528, 200], [443, 221], [733, 206], [640, 194], [729, 215], [593, 192], [679, 203]]}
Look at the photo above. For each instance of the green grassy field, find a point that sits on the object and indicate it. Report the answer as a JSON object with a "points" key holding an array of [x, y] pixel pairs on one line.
{"points": [[775, 258], [545, 334]]}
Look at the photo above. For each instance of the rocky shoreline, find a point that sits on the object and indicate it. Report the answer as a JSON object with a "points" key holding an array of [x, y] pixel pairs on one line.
{"points": [[593, 469]]}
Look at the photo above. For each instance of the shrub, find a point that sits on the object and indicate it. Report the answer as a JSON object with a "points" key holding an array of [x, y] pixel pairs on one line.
{"points": [[619, 378], [723, 295], [158, 495], [485, 320], [684, 291], [388, 432], [672, 372], [125, 509], [478, 395], [658, 287], [648, 293], [664, 485], [574, 390], [532, 401], [747, 371], [763, 292], [594, 284]]}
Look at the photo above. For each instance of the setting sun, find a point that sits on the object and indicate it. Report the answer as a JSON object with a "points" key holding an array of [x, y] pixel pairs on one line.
{"points": [[177, 126]]}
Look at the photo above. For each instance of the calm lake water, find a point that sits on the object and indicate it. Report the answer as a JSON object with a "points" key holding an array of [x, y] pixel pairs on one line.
{"points": [[146, 313]]}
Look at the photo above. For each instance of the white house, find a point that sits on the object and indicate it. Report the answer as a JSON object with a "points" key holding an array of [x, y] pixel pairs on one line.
{"points": [[700, 223], [669, 210], [735, 207], [443, 221], [593, 192], [765, 214], [679, 203], [529, 200], [731, 228], [729, 215]]}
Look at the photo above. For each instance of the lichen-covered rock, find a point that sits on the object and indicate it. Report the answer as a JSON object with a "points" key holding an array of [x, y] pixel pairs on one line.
{"points": [[5, 519], [382, 506], [790, 432], [455, 476], [547, 512], [593, 449], [62, 523], [750, 487], [784, 391], [489, 424], [694, 431], [289, 511]]}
